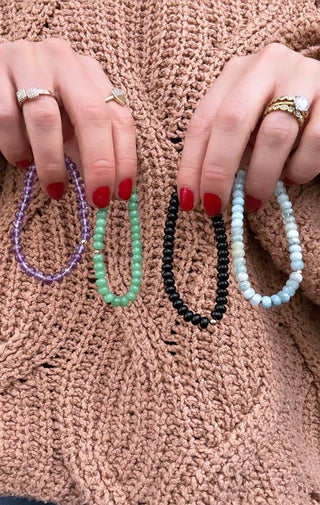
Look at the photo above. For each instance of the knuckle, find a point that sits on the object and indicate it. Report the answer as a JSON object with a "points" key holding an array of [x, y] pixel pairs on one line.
{"points": [[199, 125], [231, 118], [95, 113], [276, 129], [214, 172], [48, 168], [44, 113], [57, 45], [274, 49], [102, 166]]}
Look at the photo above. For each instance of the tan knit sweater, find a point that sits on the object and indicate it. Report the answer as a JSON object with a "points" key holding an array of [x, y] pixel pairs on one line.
{"points": [[132, 406]]}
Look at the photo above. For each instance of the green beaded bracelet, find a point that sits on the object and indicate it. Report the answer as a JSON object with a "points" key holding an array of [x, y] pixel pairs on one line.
{"points": [[136, 261]]}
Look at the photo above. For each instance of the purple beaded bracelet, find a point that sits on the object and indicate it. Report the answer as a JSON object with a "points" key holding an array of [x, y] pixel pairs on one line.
{"points": [[20, 215]]}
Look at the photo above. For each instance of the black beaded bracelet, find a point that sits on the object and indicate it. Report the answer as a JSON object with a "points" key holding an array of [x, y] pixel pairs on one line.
{"points": [[222, 268]]}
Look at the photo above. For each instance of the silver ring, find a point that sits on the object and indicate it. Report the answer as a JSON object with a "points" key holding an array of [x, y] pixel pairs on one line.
{"points": [[23, 95], [118, 96]]}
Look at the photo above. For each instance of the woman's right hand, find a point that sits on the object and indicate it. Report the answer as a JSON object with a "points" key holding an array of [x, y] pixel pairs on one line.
{"points": [[98, 136]]}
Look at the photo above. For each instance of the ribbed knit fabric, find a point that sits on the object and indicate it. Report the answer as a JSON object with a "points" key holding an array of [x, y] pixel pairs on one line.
{"points": [[132, 406]]}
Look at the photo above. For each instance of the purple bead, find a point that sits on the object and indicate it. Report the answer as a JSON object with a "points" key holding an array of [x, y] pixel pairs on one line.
{"points": [[16, 240], [25, 198], [22, 206], [83, 204], [17, 248], [20, 215], [48, 279], [14, 232], [18, 224], [86, 236], [30, 271], [80, 248], [83, 213], [57, 277], [20, 257], [28, 190], [39, 276], [66, 271]]}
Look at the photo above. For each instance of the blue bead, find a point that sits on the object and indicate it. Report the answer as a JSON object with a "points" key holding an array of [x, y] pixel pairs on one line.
{"points": [[293, 234], [291, 226], [295, 256], [280, 189], [244, 285], [285, 206], [238, 201], [294, 248], [256, 299], [282, 198], [238, 193], [296, 276], [236, 223], [276, 300], [237, 215], [248, 293], [237, 238], [283, 296], [266, 302], [294, 284], [297, 265], [237, 208], [294, 240], [239, 261], [242, 276], [240, 269], [289, 290]]}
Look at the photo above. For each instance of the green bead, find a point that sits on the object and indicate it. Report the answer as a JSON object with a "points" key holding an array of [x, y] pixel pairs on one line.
{"points": [[136, 249], [136, 281], [136, 243], [131, 296], [137, 273], [98, 245], [101, 282], [134, 288], [102, 213], [124, 300], [137, 258], [116, 301], [136, 236], [97, 257], [134, 213], [98, 237], [134, 196], [100, 221], [99, 267], [103, 290], [100, 274], [136, 265], [109, 297], [132, 206], [100, 229], [134, 221], [135, 228]]}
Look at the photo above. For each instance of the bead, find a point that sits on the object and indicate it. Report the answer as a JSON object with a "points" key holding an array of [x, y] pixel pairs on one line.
{"points": [[256, 299], [216, 315], [174, 296], [244, 285], [296, 276], [248, 293], [136, 249], [182, 310], [177, 303], [222, 300], [220, 308], [266, 302], [294, 248], [297, 265], [242, 276], [222, 292], [296, 256], [204, 323], [188, 315], [283, 296], [196, 318], [276, 300]]}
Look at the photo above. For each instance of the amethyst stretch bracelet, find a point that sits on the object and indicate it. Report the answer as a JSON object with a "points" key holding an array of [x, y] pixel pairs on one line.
{"points": [[20, 216]]}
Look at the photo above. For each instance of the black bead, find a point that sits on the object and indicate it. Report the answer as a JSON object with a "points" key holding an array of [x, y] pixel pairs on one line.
{"points": [[168, 282], [222, 284], [222, 299], [174, 200], [166, 267], [223, 260], [170, 223], [173, 208], [168, 244], [221, 237], [174, 296], [204, 323], [216, 315], [188, 316], [220, 308], [222, 268], [168, 238], [196, 318], [172, 216], [223, 276], [169, 230], [182, 310], [167, 275], [222, 292], [222, 245], [167, 259], [224, 253], [177, 303], [170, 290], [217, 218], [167, 252]]}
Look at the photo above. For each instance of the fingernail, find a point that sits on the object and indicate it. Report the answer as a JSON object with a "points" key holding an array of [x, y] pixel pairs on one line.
{"points": [[101, 197], [23, 164], [186, 199], [252, 204], [55, 190], [125, 189], [212, 204], [289, 182]]}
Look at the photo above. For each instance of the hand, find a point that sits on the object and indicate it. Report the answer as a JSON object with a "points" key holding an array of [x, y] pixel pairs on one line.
{"points": [[98, 136], [226, 129]]}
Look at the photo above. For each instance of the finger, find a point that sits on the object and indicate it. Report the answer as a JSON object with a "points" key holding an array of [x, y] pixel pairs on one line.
{"points": [[304, 165], [273, 144], [13, 141], [123, 132]]}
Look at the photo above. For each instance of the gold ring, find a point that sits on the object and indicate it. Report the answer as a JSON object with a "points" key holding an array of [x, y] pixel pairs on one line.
{"points": [[298, 106], [23, 95], [118, 96]]}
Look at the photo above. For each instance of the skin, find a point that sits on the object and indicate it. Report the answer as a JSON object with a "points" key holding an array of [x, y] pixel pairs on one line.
{"points": [[225, 130]]}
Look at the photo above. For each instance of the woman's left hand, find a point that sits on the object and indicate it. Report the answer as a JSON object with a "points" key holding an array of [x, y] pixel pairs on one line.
{"points": [[226, 129]]}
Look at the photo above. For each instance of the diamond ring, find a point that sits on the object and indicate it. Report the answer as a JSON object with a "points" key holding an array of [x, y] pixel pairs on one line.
{"points": [[298, 106], [23, 95], [118, 96]]}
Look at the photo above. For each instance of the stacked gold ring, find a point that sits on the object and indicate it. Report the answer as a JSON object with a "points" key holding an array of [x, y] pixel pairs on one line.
{"points": [[298, 106]]}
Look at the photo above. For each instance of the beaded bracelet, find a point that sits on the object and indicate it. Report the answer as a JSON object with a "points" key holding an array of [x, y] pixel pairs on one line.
{"points": [[222, 268], [239, 261], [20, 216], [136, 264]]}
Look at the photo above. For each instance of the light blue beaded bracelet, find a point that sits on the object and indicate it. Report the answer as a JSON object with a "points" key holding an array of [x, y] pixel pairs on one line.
{"points": [[136, 263], [239, 261]]}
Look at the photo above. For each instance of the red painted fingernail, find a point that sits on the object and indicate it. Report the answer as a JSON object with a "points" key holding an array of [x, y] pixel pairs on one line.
{"points": [[252, 204], [289, 182], [125, 189], [212, 204], [186, 199], [101, 197], [55, 190], [23, 164]]}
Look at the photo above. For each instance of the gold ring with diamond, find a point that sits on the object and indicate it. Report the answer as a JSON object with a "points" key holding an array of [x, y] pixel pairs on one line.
{"points": [[118, 96], [298, 106], [23, 95]]}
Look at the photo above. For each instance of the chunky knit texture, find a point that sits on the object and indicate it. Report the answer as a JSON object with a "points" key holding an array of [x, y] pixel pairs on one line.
{"points": [[132, 406]]}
